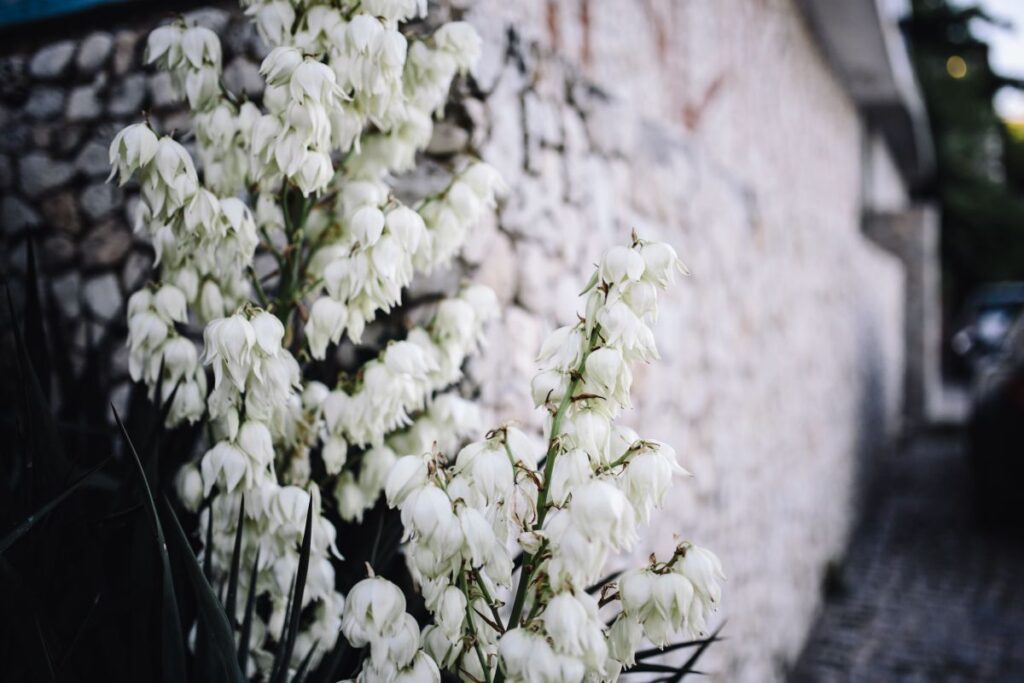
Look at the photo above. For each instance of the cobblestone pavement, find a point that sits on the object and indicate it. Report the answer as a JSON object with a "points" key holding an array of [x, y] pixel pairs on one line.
{"points": [[924, 594]]}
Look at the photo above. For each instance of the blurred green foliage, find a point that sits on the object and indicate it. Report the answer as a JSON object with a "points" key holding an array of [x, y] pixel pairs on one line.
{"points": [[979, 177]]}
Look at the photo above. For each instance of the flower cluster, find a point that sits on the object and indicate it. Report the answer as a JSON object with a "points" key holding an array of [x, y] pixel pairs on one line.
{"points": [[465, 520], [381, 244], [301, 174], [192, 56], [506, 540], [161, 356], [254, 404]]}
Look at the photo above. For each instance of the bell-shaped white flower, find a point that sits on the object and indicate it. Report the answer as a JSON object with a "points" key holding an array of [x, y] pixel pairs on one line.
{"points": [[571, 469], [423, 669], [211, 301], [255, 439], [371, 607], [164, 46], [428, 513], [280, 63], [562, 350], [229, 343], [189, 485], [269, 332], [350, 497], [132, 148], [398, 644], [487, 467], [461, 41], [224, 465], [274, 20], [180, 359], [527, 657], [620, 265], [334, 454], [408, 474], [660, 263], [603, 514], [450, 612], [648, 477]]}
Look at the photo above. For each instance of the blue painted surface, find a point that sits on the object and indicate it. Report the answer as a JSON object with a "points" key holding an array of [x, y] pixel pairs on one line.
{"points": [[23, 11]]}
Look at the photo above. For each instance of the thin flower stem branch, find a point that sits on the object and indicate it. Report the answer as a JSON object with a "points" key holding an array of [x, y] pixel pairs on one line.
{"points": [[258, 286], [473, 635], [490, 601], [542, 497]]}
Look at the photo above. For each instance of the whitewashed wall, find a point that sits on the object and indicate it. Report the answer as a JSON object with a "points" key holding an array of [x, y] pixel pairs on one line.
{"points": [[718, 127]]}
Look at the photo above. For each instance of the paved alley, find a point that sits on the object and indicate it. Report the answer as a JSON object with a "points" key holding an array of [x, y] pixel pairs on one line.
{"points": [[924, 595]]}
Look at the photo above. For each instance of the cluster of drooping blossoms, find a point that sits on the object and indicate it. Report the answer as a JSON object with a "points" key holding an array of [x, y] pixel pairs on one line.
{"points": [[203, 246], [301, 174], [399, 384], [161, 356], [253, 407], [566, 512], [375, 617], [379, 245]]}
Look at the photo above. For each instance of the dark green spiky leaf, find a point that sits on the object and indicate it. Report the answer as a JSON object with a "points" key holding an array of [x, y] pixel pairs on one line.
{"points": [[20, 595], [244, 634], [212, 621], [231, 601], [688, 666], [66, 657], [329, 667], [650, 668], [35, 331], [300, 673], [172, 643], [284, 653], [39, 514], [604, 582], [656, 651], [208, 545], [45, 459]]}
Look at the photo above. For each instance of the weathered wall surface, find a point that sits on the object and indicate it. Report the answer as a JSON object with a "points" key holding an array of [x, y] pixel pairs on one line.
{"points": [[713, 125], [720, 129]]}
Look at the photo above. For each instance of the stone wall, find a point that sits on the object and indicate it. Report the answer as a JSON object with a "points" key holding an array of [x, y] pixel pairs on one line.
{"points": [[715, 126], [913, 235]]}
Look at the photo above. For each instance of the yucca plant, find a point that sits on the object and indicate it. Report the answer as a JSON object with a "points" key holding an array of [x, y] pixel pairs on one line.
{"points": [[316, 441]]}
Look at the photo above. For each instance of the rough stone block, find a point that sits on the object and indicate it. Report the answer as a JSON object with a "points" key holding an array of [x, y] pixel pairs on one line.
{"points": [[128, 95], [102, 296], [94, 52], [17, 215], [93, 160], [40, 173], [161, 91], [125, 52], [61, 213], [52, 61], [98, 200], [84, 104], [44, 103], [58, 252], [106, 245], [67, 291], [242, 76]]}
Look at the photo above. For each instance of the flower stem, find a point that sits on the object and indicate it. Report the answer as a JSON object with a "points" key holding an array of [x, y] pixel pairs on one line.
{"points": [[472, 632], [542, 498]]}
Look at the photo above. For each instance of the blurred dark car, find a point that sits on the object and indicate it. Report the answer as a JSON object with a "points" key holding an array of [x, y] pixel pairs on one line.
{"points": [[986, 320], [995, 354]]}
